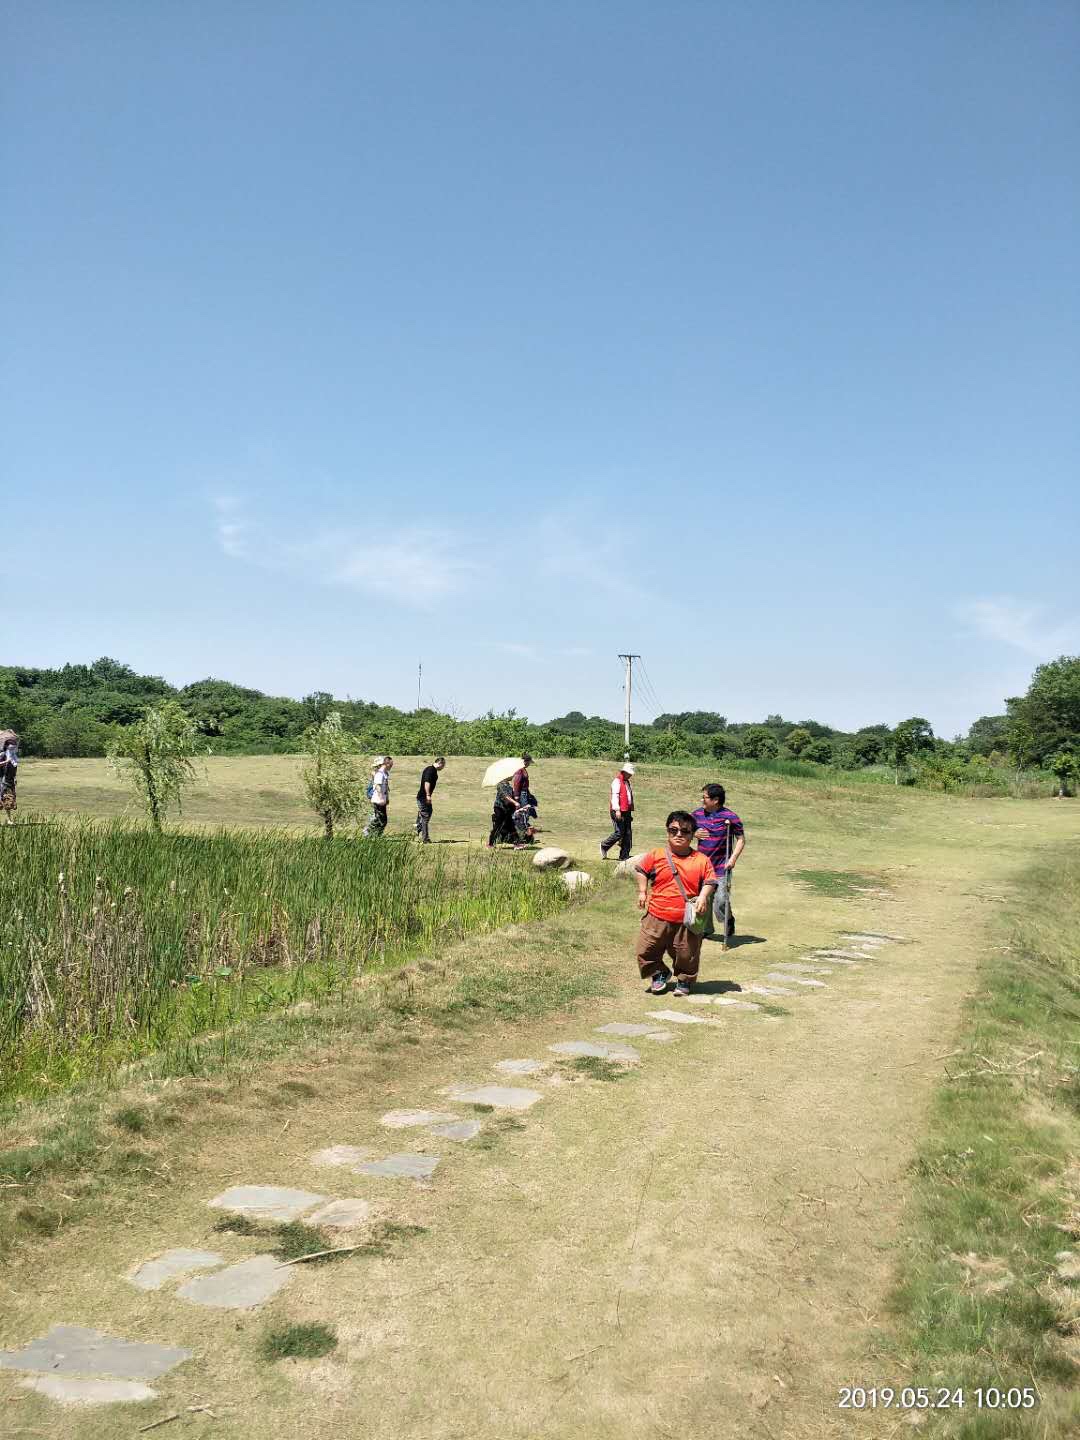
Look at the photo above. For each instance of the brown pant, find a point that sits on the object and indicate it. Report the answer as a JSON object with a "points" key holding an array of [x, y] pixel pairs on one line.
{"points": [[658, 938]]}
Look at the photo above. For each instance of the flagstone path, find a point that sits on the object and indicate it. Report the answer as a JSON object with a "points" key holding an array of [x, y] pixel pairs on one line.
{"points": [[72, 1365]]}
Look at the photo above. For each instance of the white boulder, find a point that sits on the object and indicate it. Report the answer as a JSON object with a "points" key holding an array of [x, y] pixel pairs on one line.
{"points": [[576, 879], [551, 858], [626, 867]]}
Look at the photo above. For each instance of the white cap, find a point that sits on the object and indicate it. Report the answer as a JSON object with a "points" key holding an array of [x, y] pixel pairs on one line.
{"points": [[379, 762], [626, 769]]}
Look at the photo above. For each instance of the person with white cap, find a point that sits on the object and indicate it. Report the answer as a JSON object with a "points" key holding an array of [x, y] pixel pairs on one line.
{"points": [[379, 795], [622, 813]]}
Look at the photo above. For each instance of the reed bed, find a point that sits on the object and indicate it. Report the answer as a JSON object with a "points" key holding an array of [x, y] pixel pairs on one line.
{"points": [[116, 941]]}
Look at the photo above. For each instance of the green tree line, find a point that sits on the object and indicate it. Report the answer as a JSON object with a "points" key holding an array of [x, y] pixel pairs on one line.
{"points": [[82, 710]]}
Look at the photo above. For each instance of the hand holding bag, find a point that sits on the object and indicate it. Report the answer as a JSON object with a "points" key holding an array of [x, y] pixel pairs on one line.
{"points": [[697, 924]]}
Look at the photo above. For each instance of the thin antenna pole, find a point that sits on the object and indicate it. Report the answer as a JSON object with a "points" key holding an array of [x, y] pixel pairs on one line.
{"points": [[629, 688], [419, 673]]}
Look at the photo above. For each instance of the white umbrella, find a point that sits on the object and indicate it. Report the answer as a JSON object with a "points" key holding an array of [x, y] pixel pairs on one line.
{"points": [[501, 770]]}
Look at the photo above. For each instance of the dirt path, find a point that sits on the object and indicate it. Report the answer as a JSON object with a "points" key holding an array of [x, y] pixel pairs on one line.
{"points": [[699, 1249]]}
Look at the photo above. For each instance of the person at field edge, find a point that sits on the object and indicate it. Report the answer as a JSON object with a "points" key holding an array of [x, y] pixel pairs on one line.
{"points": [[622, 814], [668, 879], [9, 768], [429, 778], [503, 809], [721, 837], [380, 796]]}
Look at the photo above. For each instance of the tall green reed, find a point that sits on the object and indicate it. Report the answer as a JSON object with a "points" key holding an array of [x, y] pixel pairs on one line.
{"points": [[116, 941]]}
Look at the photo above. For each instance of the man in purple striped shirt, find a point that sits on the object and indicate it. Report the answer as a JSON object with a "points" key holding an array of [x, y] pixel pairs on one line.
{"points": [[720, 836]]}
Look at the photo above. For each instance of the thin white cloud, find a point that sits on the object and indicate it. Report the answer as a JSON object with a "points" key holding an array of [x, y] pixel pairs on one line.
{"points": [[415, 567], [593, 551], [1021, 624]]}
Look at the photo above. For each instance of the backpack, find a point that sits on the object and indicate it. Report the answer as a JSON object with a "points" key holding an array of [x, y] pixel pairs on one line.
{"points": [[370, 791]]}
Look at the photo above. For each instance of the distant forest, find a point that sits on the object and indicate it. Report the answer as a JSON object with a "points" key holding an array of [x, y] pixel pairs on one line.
{"points": [[77, 710]]}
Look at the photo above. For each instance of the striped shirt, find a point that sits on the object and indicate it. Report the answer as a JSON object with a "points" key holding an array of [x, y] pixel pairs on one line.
{"points": [[724, 828]]}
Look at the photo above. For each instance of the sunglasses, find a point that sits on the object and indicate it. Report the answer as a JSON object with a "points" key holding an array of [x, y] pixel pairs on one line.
{"points": [[678, 830]]}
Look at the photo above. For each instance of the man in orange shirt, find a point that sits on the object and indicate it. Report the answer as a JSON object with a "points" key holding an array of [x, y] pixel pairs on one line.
{"points": [[677, 875]]}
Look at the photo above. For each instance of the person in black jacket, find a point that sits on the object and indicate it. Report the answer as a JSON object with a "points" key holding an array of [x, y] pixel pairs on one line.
{"points": [[428, 780]]}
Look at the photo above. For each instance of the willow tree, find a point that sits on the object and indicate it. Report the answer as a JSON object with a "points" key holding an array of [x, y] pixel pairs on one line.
{"points": [[154, 757], [331, 779]]}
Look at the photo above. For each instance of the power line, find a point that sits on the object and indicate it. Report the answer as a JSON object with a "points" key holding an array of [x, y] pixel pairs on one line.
{"points": [[651, 690]]}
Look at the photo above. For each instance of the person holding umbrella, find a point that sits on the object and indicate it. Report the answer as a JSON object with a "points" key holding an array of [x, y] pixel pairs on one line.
{"points": [[503, 774], [622, 814]]}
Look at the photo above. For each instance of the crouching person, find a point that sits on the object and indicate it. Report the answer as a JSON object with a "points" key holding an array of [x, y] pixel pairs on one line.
{"points": [[675, 889]]}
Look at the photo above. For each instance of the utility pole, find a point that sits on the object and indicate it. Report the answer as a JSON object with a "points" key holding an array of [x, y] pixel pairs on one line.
{"points": [[419, 673], [629, 686]]}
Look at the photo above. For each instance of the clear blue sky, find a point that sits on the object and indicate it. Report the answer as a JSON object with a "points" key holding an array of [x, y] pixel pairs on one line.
{"points": [[505, 336]]}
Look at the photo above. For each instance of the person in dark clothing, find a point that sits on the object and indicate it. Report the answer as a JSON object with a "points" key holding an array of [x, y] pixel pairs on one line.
{"points": [[429, 778], [502, 815]]}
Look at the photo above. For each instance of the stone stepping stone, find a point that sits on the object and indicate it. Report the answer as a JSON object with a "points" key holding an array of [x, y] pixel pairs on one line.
{"points": [[838, 957], [459, 1130], [401, 1167], [797, 980], [736, 1004], [267, 1202], [499, 1097], [597, 1050], [519, 1067], [341, 1155], [872, 935], [622, 1027], [240, 1287], [679, 1017], [342, 1214], [407, 1119], [799, 969], [75, 1350], [153, 1274], [659, 1037], [69, 1390], [768, 990]]}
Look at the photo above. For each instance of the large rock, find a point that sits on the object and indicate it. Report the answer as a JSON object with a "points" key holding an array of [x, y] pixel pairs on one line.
{"points": [[551, 858], [626, 867], [576, 879]]}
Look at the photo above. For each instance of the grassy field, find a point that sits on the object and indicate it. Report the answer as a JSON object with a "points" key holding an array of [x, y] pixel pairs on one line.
{"points": [[265, 791], [822, 1193]]}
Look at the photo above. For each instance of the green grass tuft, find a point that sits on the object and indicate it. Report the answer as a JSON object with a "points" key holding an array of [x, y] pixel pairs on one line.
{"points": [[237, 1225], [136, 1118], [295, 1239], [299, 1342], [597, 1068], [840, 884]]}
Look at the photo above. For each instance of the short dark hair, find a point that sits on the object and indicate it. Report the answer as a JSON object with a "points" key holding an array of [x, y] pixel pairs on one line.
{"points": [[684, 816], [440, 759], [715, 792], [526, 759]]}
